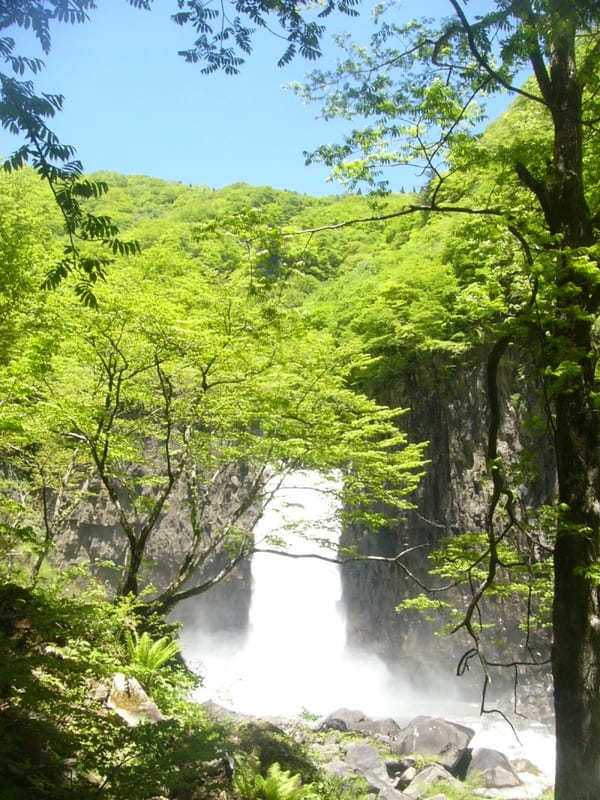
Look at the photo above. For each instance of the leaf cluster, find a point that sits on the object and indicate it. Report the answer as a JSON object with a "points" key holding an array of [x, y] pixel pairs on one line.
{"points": [[27, 114], [57, 739], [224, 34]]}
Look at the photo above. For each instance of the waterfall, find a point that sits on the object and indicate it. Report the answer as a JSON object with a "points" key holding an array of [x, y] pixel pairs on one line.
{"points": [[294, 658]]}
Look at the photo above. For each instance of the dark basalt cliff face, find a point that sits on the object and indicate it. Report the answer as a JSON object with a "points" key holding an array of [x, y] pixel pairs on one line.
{"points": [[448, 409], [95, 537]]}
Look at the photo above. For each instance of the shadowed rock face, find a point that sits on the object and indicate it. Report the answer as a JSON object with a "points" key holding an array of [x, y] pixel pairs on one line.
{"points": [[447, 408], [95, 536]]}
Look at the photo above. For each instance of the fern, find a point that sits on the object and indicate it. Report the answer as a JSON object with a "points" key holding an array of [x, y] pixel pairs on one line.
{"points": [[278, 785], [281, 785], [146, 656]]}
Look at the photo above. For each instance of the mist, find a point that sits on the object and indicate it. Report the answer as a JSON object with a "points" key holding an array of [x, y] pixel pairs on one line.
{"points": [[294, 660]]}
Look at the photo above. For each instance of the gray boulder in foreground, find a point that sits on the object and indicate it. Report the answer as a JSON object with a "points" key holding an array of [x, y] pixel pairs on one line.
{"points": [[432, 736], [493, 767], [427, 778], [364, 759]]}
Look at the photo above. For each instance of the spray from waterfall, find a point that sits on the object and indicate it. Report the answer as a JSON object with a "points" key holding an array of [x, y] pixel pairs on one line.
{"points": [[294, 658]]}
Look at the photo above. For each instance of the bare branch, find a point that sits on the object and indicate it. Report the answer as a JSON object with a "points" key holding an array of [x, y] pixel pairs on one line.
{"points": [[395, 560], [483, 61], [409, 209]]}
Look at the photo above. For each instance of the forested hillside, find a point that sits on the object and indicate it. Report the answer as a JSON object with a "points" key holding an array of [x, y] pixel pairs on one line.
{"points": [[197, 371], [256, 332]]}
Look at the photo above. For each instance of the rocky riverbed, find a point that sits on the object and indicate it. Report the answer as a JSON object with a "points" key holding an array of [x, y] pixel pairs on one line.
{"points": [[429, 758]]}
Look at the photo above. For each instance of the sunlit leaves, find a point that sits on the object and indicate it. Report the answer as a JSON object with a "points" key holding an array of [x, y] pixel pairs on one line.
{"points": [[225, 33], [25, 113]]}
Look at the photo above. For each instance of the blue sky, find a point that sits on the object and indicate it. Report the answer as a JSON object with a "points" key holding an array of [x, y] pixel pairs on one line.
{"points": [[134, 106]]}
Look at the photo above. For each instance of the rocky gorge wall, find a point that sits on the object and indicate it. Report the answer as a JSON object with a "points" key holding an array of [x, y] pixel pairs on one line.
{"points": [[94, 536], [449, 409]]}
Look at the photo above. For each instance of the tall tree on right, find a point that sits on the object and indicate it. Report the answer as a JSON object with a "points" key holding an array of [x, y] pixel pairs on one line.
{"points": [[419, 93]]}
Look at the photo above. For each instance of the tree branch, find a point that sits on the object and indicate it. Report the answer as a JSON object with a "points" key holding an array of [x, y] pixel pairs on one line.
{"points": [[396, 560], [409, 209], [482, 60]]}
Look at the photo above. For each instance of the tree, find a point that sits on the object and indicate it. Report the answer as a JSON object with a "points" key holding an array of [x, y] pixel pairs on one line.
{"points": [[204, 387], [25, 113], [427, 113], [416, 89]]}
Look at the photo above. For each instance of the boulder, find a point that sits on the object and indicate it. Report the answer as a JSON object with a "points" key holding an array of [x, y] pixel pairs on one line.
{"points": [[127, 699], [406, 778], [432, 736], [338, 768], [345, 719], [493, 767], [524, 765], [427, 777], [365, 760], [388, 793]]}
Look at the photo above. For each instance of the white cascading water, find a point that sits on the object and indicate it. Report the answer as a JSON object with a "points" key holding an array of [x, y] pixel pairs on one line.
{"points": [[294, 658]]}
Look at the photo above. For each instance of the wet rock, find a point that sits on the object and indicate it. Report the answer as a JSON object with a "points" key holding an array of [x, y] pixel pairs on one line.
{"points": [[432, 736], [493, 767]]}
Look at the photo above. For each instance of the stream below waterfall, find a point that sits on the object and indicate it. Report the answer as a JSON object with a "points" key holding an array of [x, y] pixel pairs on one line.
{"points": [[294, 659]]}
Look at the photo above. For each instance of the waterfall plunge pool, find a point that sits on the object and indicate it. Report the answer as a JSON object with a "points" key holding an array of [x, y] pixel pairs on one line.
{"points": [[294, 658]]}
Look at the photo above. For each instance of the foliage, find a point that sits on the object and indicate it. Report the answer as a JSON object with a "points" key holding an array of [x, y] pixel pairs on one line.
{"points": [[57, 373], [225, 39], [26, 114], [147, 656], [277, 785], [170, 388], [416, 94], [83, 398], [468, 790], [281, 784], [59, 650]]}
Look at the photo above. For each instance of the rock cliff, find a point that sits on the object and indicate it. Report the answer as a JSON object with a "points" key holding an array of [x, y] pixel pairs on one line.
{"points": [[448, 408], [94, 536]]}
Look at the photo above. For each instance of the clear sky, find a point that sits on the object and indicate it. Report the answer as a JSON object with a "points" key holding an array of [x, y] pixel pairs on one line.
{"points": [[134, 106]]}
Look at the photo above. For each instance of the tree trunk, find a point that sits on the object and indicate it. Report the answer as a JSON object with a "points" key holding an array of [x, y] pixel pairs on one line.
{"points": [[576, 611], [129, 576]]}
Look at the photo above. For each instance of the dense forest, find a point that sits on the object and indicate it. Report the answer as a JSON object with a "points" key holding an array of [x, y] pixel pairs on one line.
{"points": [[163, 343], [237, 345]]}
